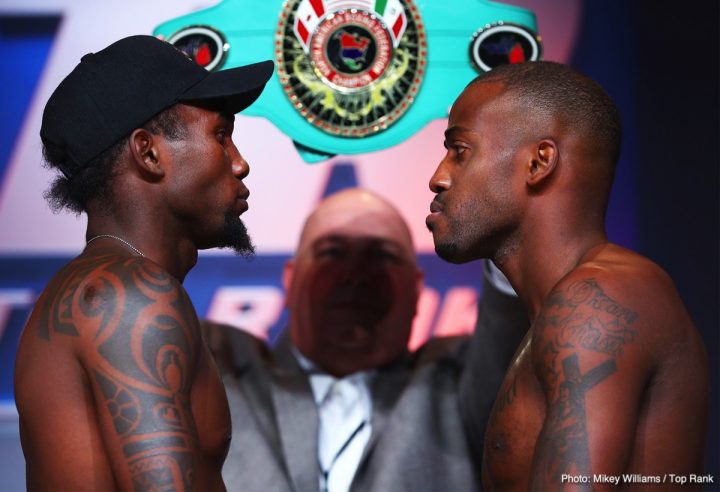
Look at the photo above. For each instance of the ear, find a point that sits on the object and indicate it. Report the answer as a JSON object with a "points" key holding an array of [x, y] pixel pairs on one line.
{"points": [[419, 286], [145, 153], [287, 275], [543, 162], [419, 282]]}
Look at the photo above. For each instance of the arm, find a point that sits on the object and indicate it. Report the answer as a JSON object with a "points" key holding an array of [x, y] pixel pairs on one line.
{"points": [[501, 325], [592, 368], [140, 364]]}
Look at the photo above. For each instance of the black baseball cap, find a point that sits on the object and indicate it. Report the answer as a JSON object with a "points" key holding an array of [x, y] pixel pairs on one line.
{"points": [[114, 91]]}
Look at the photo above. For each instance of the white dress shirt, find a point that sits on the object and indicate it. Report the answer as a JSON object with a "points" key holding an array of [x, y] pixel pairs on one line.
{"points": [[498, 279], [345, 410]]}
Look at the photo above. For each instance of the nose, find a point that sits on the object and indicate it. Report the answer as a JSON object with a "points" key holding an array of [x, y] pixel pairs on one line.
{"points": [[440, 180], [240, 167], [355, 269], [365, 267]]}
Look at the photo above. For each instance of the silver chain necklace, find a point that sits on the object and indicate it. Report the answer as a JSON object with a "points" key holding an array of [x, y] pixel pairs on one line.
{"points": [[117, 239]]}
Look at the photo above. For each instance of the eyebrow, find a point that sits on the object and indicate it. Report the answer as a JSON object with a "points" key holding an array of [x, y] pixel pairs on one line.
{"points": [[376, 241], [455, 129]]}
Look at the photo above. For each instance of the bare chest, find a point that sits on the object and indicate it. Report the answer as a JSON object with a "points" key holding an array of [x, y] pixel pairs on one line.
{"points": [[211, 414], [515, 423]]}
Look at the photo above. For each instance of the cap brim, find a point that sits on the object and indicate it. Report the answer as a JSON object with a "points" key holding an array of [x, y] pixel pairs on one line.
{"points": [[231, 90]]}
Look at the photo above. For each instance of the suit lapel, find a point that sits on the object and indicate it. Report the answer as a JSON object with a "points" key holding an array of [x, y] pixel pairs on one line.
{"points": [[297, 419], [388, 384], [249, 375]]}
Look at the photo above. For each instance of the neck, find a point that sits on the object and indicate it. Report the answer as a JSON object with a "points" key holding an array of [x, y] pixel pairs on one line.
{"points": [[175, 255], [541, 261]]}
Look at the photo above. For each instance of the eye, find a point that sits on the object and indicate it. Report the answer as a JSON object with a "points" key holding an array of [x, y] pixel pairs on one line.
{"points": [[386, 256], [329, 252], [221, 135], [459, 149], [455, 149]]}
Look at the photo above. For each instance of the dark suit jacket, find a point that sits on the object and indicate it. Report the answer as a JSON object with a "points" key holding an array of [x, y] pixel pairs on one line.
{"points": [[428, 420]]}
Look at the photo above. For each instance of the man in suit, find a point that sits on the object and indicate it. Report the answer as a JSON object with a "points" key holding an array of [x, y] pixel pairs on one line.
{"points": [[340, 404]]}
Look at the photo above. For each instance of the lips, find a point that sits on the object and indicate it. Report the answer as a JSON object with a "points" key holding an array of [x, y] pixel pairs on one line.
{"points": [[356, 305], [242, 205], [241, 199], [436, 206]]}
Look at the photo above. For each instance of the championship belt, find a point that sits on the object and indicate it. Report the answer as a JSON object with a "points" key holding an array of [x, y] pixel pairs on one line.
{"points": [[355, 76]]}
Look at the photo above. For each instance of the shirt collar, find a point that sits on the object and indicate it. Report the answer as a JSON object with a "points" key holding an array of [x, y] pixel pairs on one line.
{"points": [[321, 382]]}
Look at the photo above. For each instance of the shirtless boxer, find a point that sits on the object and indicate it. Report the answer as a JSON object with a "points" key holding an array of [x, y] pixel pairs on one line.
{"points": [[612, 377], [114, 384]]}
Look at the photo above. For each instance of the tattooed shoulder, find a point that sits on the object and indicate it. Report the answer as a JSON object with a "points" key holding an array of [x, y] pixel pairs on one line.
{"points": [[93, 294], [582, 315], [139, 343]]}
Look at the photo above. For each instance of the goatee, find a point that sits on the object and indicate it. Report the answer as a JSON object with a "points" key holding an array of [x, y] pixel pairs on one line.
{"points": [[448, 252], [235, 236]]}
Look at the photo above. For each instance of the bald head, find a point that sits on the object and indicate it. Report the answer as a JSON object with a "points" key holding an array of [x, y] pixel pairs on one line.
{"points": [[553, 91], [549, 100], [353, 285], [357, 213]]}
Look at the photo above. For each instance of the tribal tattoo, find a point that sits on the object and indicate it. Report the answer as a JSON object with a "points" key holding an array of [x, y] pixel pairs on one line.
{"points": [[137, 321], [580, 318]]}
